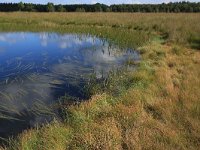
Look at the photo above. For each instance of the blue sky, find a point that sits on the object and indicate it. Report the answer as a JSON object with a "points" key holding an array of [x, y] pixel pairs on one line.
{"points": [[95, 1]]}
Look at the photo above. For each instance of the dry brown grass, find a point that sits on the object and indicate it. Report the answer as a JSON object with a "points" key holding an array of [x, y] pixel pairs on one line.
{"points": [[176, 27], [163, 116], [160, 109]]}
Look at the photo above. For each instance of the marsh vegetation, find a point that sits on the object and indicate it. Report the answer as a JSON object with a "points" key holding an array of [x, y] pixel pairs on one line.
{"points": [[154, 107], [39, 68]]}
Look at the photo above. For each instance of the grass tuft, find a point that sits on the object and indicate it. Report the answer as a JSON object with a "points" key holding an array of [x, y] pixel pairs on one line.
{"points": [[155, 106]]}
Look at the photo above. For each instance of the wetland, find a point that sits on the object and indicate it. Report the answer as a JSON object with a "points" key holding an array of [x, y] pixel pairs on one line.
{"points": [[36, 69]]}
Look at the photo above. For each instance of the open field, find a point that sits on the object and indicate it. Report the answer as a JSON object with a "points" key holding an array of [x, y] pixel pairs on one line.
{"points": [[156, 107], [181, 28]]}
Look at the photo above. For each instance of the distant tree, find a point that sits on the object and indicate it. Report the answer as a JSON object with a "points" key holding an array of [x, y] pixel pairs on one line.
{"points": [[124, 8], [50, 7], [177, 10], [80, 10], [97, 7], [130, 8], [108, 10], [29, 7], [21, 6], [170, 7], [138, 9], [191, 9], [156, 10], [114, 8], [148, 8], [61, 8]]}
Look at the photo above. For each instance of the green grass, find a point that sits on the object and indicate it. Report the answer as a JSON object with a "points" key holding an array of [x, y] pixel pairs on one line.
{"points": [[155, 107]]}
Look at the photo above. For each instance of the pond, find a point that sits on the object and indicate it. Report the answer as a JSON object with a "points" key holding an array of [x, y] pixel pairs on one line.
{"points": [[38, 68]]}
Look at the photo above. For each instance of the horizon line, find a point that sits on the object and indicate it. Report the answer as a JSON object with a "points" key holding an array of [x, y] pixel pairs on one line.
{"points": [[99, 3]]}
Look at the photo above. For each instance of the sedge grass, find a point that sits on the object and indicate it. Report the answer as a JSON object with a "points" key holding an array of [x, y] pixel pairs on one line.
{"points": [[159, 106]]}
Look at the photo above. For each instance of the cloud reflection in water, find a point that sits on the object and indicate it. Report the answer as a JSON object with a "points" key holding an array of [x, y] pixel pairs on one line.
{"points": [[37, 68]]}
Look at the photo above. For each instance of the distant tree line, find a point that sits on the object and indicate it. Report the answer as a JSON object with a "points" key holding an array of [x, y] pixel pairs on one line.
{"points": [[50, 7]]}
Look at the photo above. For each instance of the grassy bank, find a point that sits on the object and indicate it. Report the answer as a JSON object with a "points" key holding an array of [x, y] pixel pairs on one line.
{"points": [[159, 104], [182, 28]]}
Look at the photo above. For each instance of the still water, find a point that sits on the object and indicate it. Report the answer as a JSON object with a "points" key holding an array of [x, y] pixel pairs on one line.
{"points": [[37, 68]]}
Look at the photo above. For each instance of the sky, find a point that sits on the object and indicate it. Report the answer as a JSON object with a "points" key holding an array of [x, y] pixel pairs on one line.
{"points": [[108, 2]]}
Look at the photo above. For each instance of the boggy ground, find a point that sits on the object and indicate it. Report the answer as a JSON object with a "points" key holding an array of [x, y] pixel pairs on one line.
{"points": [[155, 107]]}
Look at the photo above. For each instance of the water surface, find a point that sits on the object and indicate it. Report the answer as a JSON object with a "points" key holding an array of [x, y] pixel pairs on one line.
{"points": [[37, 68]]}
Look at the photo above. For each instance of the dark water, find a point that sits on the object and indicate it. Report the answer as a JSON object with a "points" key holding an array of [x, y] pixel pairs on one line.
{"points": [[37, 68]]}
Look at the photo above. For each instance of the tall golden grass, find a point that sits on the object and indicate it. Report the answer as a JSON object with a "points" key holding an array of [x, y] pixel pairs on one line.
{"points": [[160, 109], [178, 27]]}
